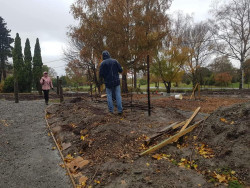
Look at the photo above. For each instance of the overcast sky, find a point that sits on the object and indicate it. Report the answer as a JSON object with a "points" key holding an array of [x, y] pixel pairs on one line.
{"points": [[48, 20]]}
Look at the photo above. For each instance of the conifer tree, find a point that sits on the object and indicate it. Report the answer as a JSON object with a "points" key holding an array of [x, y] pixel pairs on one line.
{"points": [[18, 63], [28, 66], [37, 66], [5, 48]]}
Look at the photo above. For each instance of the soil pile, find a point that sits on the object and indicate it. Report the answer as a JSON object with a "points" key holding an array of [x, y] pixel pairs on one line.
{"points": [[227, 132], [113, 143], [217, 152]]}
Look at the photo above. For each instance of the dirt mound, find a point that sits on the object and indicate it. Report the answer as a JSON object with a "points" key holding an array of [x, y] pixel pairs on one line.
{"points": [[112, 144], [227, 132]]}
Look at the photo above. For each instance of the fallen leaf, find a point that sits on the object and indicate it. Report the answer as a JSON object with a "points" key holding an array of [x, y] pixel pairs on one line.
{"points": [[221, 178], [82, 138], [232, 172], [147, 164], [4, 122], [123, 182], [97, 181], [157, 156], [77, 163], [223, 120], [183, 159], [83, 180], [62, 165]]}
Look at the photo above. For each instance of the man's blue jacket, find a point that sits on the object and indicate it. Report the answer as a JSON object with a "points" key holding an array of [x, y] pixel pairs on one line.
{"points": [[109, 70]]}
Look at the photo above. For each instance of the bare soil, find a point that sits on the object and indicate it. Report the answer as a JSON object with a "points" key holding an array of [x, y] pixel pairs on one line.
{"points": [[113, 143]]}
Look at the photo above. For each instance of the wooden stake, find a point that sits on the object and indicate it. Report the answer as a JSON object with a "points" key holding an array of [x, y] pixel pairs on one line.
{"points": [[193, 91], [190, 119], [171, 139]]}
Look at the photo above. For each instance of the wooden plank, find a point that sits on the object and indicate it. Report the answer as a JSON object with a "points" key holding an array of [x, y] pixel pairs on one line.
{"points": [[104, 95], [179, 124], [191, 118], [168, 127], [164, 130], [159, 133], [171, 139]]}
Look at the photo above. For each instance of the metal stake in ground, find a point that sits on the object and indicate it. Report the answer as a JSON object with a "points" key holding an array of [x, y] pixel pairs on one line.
{"points": [[148, 89], [57, 83], [61, 90], [16, 90]]}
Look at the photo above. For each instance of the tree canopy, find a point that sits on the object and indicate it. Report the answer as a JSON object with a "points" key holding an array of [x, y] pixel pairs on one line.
{"points": [[5, 48], [37, 66]]}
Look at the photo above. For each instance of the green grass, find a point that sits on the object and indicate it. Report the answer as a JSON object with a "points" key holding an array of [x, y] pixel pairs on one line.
{"points": [[234, 184]]}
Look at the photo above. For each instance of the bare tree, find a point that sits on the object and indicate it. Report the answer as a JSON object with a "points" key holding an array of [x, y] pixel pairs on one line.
{"points": [[198, 37], [232, 31]]}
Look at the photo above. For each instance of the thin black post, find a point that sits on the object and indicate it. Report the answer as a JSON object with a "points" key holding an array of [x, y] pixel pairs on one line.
{"points": [[148, 89], [16, 91], [57, 83], [61, 91], [91, 90]]}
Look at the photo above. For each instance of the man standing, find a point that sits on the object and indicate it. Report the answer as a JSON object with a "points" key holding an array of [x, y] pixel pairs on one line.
{"points": [[109, 70]]}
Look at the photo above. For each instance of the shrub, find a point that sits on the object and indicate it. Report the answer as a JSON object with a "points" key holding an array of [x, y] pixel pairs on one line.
{"points": [[223, 79], [9, 85], [142, 82]]}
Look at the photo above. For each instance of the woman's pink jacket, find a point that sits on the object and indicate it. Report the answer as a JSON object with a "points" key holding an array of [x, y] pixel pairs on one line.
{"points": [[46, 83]]}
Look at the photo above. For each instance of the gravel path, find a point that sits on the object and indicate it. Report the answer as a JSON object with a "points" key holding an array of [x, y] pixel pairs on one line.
{"points": [[26, 156]]}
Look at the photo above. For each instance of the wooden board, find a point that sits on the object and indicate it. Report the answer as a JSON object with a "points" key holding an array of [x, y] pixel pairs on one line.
{"points": [[164, 130], [191, 118], [171, 139]]}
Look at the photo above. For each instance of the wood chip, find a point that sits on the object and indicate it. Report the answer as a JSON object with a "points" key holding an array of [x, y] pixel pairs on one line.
{"points": [[65, 146]]}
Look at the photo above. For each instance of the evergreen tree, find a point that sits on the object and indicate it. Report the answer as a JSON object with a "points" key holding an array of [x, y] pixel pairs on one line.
{"points": [[37, 66], [18, 63], [5, 48], [28, 66]]}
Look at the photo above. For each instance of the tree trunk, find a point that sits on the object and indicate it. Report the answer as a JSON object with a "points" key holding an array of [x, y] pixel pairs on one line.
{"points": [[2, 70], [0, 75], [96, 80], [167, 86], [124, 82], [16, 90], [241, 76]]}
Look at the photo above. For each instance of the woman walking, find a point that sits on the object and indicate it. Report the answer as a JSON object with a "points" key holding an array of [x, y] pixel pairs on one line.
{"points": [[46, 86]]}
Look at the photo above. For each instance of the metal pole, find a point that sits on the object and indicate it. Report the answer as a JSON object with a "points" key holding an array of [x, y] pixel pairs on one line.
{"points": [[16, 90], [61, 91], [148, 89], [57, 83], [91, 90]]}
